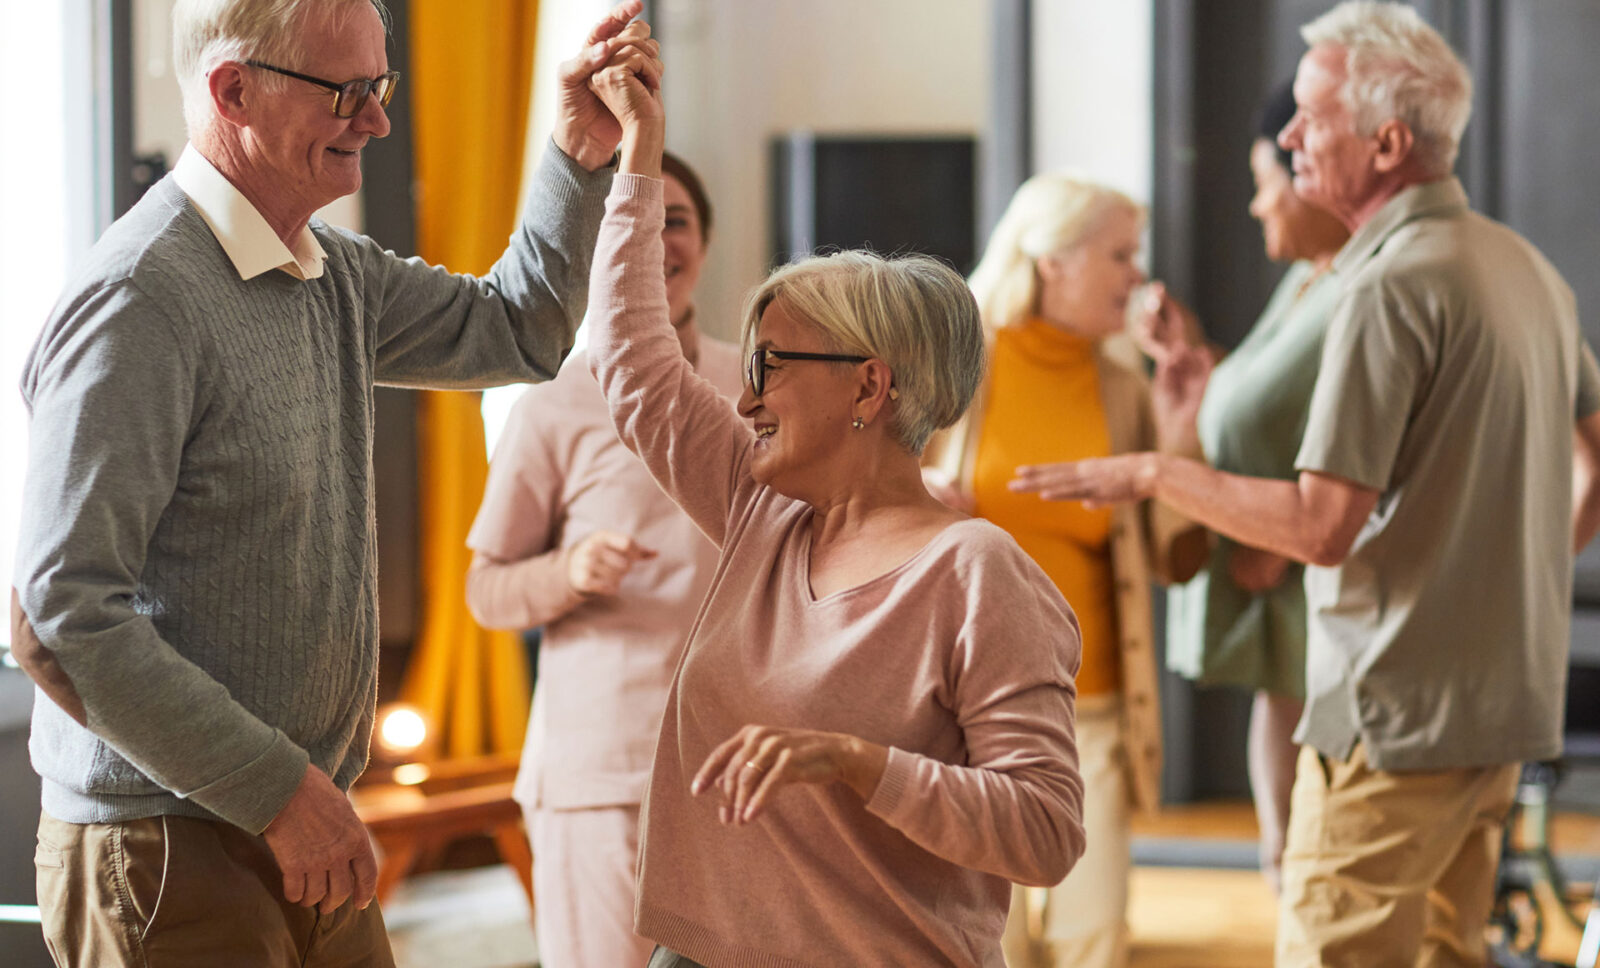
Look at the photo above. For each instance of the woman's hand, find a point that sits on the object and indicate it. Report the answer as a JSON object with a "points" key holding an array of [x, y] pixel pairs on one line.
{"points": [[751, 765], [1175, 394], [585, 128], [597, 564], [1256, 571], [945, 491], [630, 88], [1096, 482], [1162, 325]]}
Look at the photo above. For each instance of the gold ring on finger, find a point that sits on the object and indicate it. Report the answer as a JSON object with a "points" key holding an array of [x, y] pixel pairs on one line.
{"points": [[752, 764]]}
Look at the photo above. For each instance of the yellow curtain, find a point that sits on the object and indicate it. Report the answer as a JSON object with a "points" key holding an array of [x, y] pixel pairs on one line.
{"points": [[469, 79]]}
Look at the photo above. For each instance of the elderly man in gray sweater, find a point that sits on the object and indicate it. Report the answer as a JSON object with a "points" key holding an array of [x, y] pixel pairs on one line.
{"points": [[196, 574]]}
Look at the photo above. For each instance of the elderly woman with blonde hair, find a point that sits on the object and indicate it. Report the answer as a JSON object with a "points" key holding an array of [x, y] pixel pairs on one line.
{"points": [[1064, 382], [869, 736]]}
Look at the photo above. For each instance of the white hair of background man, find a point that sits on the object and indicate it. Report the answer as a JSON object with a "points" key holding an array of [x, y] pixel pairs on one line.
{"points": [[207, 32], [1399, 67]]}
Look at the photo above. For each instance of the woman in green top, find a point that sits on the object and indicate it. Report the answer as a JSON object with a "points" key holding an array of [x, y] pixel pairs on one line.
{"points": [[1242, 620]]}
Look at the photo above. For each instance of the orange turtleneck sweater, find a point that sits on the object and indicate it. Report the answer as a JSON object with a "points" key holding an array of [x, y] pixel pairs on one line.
{"points": [[1044, 406]]}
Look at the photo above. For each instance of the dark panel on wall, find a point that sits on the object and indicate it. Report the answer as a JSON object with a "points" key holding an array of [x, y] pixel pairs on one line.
{"points": [[1005, 153], [114, 105], [21, 943], [1550, 127], [892, 195], [388, 214], [1231, 273]]}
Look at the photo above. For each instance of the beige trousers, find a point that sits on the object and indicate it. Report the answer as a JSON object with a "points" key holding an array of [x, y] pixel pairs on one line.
{"points": [[1390, 868], [1083, 921], [174, 892], [584, 863]]}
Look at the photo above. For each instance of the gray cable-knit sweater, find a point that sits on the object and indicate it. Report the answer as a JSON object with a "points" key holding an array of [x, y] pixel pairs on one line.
{"points": [[198, 547]]}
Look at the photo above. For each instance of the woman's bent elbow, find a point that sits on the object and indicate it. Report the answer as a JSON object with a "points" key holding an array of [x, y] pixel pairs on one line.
{"points": [[1055, 860]]}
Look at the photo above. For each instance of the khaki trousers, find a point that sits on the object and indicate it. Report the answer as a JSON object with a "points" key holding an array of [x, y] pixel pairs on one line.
{"points": [[175, 892], [584, 863], [1390, 868], [1083, 921]]}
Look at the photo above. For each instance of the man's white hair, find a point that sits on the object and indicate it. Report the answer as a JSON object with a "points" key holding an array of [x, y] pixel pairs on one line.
{"points": [[206, 33], [1399, 67]]}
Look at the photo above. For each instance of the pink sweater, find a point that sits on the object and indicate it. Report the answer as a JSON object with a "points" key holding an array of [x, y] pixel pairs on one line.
{"points": [[961, 661]]}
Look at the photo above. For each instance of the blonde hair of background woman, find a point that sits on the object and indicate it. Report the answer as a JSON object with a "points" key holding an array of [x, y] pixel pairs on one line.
{"points": [[1050, 213]]}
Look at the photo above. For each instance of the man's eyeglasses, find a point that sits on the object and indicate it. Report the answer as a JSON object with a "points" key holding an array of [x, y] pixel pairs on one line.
{"points": [[349, 97], [755, 368]]}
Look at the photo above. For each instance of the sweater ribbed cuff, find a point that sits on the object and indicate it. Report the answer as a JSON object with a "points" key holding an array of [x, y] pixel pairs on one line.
{"points": [[892, 785], [251, 796], [642, 187], [568, 185]]}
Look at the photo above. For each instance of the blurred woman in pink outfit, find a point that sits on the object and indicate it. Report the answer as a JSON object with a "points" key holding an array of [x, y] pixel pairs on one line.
{"points": [[575, 535]]}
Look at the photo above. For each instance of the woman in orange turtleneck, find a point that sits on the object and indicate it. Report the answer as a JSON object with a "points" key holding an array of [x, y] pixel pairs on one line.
{"points": [[1065, 383]]}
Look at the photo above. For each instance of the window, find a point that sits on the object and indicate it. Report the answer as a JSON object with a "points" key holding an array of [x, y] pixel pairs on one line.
{"points": [[34, 248]]}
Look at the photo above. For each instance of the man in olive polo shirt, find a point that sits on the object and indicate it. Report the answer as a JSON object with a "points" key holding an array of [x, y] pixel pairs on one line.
{"points": [[1437, 493]]}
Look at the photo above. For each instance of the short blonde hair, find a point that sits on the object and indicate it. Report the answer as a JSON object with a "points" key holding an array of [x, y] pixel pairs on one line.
{"points": [[1050, 213], [207, 32], [1396, 66], [912, 312]]}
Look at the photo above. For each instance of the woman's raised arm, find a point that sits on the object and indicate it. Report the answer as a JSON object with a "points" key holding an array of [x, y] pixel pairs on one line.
{"points": [[695, 445]]}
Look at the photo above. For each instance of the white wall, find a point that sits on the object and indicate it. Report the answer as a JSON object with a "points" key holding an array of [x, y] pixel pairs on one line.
{"points": [[1092, 90], [741, 71]]}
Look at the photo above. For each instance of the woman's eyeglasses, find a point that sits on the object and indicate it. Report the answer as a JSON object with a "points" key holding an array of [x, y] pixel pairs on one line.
{"points": [[755, 368], [349, 97]]}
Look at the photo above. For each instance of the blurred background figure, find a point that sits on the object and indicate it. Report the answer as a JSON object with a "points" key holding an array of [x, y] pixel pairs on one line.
{"points": [[574, 535], [1065, 383], [1242, 620]]}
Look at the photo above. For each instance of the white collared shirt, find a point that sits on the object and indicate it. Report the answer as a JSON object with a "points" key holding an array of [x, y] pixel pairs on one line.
{"points": [[246, 237]]}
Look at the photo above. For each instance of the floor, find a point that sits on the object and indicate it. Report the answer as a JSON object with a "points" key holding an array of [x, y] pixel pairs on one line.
{"points": [[1215, 916]]}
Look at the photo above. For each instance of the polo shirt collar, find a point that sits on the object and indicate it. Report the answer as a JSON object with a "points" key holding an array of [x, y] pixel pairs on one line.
{"points": [[1442, 197], [250, 243]]}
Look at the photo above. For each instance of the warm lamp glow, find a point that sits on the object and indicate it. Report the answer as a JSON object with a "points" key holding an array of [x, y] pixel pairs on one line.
{"points": [[410, 774], [401, 730]]}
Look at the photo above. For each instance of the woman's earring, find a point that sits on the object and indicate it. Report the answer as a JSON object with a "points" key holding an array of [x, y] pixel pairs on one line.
{"points": [[857, 423]]}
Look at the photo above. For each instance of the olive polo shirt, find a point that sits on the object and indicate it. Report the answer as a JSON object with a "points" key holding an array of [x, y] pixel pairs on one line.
{"points": [[1452, 373]]}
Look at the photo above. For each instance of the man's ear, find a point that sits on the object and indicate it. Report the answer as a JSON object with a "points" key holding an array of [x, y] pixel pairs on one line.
{"points": [[227, 87], [1395, 143]]}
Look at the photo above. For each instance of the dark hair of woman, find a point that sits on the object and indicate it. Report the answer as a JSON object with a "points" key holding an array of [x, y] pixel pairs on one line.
{"points": [[672, 165], [1273, 117]]}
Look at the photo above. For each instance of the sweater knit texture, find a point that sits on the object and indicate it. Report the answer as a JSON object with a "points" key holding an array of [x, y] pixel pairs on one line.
{"points": [[198, 547], [960, 661]]}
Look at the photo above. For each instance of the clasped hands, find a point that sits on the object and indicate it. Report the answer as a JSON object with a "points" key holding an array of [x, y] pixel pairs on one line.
{"points": [[595, 99]]}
